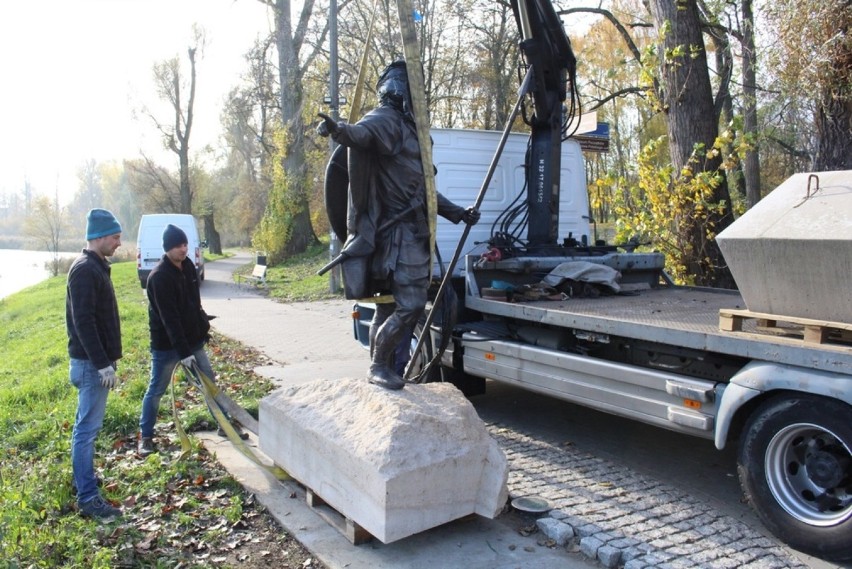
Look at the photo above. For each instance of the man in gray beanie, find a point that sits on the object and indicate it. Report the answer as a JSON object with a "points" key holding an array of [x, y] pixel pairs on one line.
{"points": [[94, 347], [179, 327]]}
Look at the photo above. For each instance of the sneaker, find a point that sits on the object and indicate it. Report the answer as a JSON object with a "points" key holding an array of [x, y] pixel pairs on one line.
{"points": [[243, 435], [98, 508], [145, 446]]}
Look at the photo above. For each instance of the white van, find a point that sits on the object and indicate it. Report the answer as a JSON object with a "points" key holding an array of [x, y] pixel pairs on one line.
{"points": [[462, 158], [149, 242]]}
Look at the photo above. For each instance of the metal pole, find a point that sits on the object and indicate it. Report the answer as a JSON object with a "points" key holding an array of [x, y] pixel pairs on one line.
{"points": [[335, 278], [415, 356]]}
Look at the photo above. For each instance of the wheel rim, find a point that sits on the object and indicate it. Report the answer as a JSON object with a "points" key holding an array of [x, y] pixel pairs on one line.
{"points": [[809, 472]]}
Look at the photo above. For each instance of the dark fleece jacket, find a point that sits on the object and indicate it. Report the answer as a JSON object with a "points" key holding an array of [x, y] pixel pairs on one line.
{"points": [[91, 312], [175, 317]]}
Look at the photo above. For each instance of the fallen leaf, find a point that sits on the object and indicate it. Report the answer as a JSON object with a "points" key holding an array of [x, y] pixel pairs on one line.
{"points": [[145, 544]]}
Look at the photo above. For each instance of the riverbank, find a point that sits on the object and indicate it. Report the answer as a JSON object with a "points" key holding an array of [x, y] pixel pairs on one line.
{"points": [[179, 510], [20, 268]]}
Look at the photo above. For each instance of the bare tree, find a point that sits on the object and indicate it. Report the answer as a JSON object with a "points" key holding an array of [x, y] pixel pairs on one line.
{"points": [[290, 40], [248, 120], [170, 85], [156, 188], [46, 224], [811, 55], [495, 67]]}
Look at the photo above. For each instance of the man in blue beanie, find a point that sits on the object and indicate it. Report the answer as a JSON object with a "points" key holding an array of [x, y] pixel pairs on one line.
{"points": [[94, 347], [179, 327]]}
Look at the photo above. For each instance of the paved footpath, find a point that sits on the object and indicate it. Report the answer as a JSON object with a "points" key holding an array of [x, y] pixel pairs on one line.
{"points": [[604, 514]]}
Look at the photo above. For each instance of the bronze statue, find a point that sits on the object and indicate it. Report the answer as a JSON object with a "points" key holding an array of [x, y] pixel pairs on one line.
{"points": [[387, 245]]}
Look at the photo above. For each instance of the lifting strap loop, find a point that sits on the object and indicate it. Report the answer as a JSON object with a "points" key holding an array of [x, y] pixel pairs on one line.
{"points": [[218, 402]]}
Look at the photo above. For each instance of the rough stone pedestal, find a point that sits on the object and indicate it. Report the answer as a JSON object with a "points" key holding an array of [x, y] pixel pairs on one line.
{"points": [[395, 462]]}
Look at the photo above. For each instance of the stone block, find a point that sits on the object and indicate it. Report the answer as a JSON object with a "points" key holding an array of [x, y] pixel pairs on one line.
{"points": [[609, 556], [395, 462], [558, 531], [791, 254], [589, 546]]}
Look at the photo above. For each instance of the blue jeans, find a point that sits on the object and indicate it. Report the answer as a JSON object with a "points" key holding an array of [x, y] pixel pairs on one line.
{"points": [[91, 408], [163, 363]]}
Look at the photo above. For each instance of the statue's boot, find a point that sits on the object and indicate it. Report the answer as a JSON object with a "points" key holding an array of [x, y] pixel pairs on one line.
{"points": [[381, 370]]}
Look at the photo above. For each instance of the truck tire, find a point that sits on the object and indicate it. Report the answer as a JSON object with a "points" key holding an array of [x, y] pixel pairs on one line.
{"points": [[795, 467]]}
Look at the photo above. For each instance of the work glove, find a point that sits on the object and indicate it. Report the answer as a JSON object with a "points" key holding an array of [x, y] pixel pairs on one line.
{"points": [[471, 216], [108, 377], [327, 126], [188, 361]]}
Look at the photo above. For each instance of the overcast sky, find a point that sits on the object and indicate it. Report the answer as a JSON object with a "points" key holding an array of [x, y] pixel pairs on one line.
{"points": [[74, 71]]}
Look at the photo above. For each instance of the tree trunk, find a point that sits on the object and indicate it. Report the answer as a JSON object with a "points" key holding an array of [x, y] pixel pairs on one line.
{"points": [[302, 233], [686, 98], [834, 128], [183, 129], [751, 162], [834, 111], [211, 235]]}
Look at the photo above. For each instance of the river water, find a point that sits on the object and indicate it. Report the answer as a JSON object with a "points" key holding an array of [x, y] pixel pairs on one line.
{"points": [[20, 269]]}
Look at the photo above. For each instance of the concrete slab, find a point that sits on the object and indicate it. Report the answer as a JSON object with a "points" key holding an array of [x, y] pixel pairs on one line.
{"points": [[395, 462], [791, 254]]}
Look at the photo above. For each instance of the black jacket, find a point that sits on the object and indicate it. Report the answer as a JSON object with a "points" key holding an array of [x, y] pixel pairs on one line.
{"points": [[91, 312], [175, 317]]}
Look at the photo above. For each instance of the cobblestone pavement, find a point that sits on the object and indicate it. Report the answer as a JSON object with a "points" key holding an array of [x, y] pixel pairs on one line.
{"points": [[621, 518]]}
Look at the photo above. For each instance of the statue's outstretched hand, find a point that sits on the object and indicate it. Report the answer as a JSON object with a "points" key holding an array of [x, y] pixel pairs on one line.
{"points": [[327, 126]]}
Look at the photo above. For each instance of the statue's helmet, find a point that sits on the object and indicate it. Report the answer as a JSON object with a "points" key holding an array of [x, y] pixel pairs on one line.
{"points": [[392, 86]]}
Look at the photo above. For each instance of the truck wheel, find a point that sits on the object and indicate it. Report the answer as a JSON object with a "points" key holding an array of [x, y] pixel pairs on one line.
{"points": [[795, 467]]}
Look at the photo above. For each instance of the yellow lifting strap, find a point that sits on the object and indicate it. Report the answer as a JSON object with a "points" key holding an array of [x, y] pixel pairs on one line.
{"points": [[355, 108], [218, 402], [416, 85], [417, 88], [355, 114]]}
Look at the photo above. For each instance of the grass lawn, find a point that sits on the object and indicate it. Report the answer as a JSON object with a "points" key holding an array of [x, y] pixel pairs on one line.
{"points": [[296, 279], [176, 512]]}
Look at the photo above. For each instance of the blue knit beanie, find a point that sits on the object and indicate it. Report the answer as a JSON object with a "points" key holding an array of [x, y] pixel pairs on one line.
{"points": [[100, 223], [172, 237]]}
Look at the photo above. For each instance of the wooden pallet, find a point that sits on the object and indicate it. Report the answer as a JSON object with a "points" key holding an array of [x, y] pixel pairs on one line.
{"points": [[348, 527], [811, 331]]}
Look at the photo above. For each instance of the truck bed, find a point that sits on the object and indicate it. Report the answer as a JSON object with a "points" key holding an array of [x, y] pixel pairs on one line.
{"points": [[679, 316]]}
